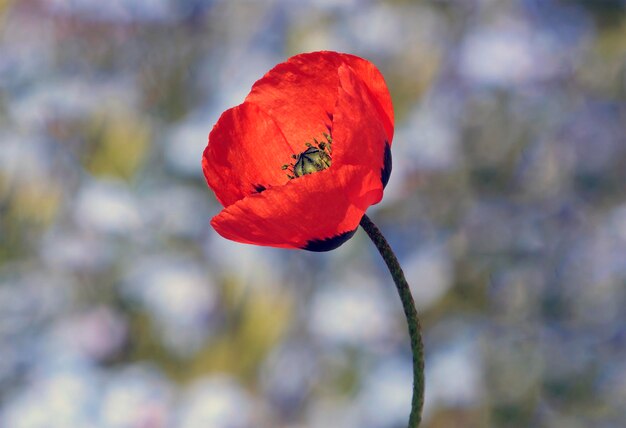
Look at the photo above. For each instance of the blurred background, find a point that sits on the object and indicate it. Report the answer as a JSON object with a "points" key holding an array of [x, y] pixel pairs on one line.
{"points": [[120, 307]]}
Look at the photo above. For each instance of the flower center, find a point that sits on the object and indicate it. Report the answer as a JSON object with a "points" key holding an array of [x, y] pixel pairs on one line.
{"points": [[315, 158], [311, 160]]}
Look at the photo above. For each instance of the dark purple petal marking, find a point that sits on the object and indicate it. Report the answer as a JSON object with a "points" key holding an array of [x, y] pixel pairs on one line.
{"points": [[321, 245], [385, 172]]}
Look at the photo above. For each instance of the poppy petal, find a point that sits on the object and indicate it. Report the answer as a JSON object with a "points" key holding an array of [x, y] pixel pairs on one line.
{"points": [[304, 213], [300, 95], [359, 136], [374, 81], [245, 153]]}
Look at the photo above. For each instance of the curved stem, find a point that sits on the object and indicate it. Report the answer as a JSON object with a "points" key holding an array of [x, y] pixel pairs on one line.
{"points": [[411, 316]]}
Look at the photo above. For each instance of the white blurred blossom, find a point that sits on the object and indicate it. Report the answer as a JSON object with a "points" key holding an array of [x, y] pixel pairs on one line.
{"points": [[26, 50], [325, 412], [186, 213], [288, 375], [70, 98], [429, 272], [387, 24], [136, 397], [385, 398], [96, 334], [28, 299], [23, 159], [108, 207], [179, 295], [507, 55], [246, 263], [216, 402], [430, 141], [185, 144], [69, 250], [229, 82], [351, 316], [57, 399], [112, 10], [454, 376]]}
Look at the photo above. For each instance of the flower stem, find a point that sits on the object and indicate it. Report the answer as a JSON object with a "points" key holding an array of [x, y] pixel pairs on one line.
{"points": [[411, 316]]}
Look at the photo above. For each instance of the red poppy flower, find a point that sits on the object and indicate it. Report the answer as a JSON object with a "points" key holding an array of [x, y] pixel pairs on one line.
{"points": [[297, 164]]}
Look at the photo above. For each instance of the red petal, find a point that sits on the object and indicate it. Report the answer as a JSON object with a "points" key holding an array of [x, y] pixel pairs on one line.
{"points": [[374, 81], [300, 95], [245, 153], [310, 208], [359, 136]]}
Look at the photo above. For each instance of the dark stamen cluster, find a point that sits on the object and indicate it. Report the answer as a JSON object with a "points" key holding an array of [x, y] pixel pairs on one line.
{"points": [[316, 157]]}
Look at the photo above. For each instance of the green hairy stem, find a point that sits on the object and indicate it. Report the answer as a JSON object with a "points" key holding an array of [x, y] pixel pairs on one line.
{"points": [[413, 322]]}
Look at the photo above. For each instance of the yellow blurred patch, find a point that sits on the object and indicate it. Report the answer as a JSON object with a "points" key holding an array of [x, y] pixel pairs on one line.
{"points": [[35, 203], [254, 327], [254, 322], [611, 41], [4, 9], [118, 143], [602, 70]]}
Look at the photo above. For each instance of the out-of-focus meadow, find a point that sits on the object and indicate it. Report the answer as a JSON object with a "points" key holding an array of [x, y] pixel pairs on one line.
{"points": [[120, 307]]}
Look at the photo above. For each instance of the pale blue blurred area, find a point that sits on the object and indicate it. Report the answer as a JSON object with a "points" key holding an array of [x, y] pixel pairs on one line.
{"points": [[120, 307]]}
